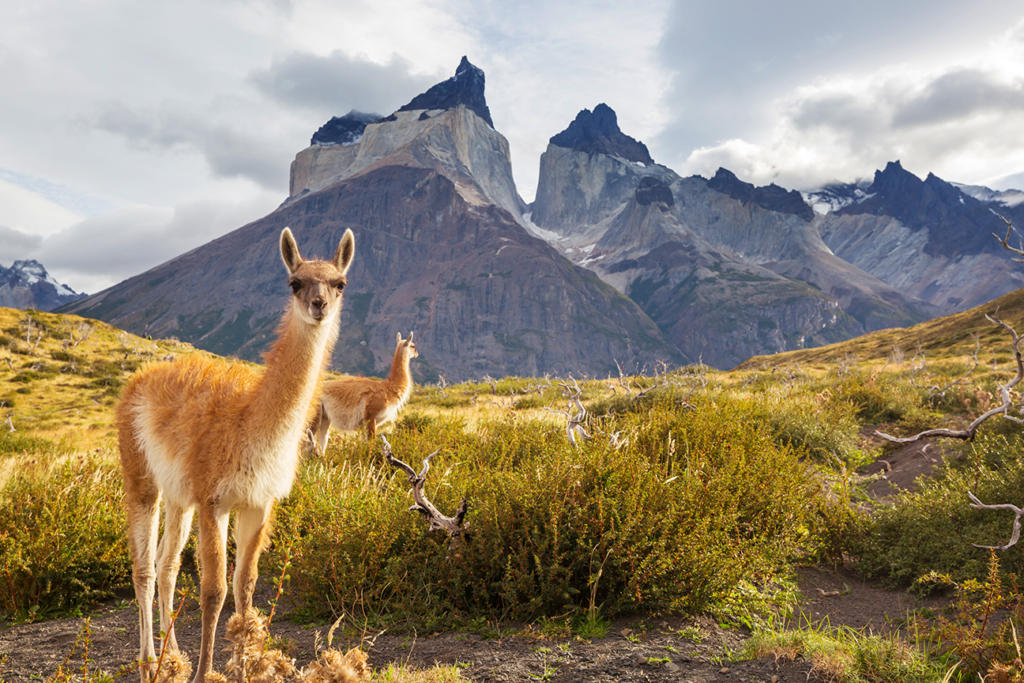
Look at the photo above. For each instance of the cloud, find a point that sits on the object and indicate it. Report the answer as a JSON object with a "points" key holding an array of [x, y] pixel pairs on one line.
{"points": [[16, 245], [960, 94], [865, 80], [30, 212], [102, 251], [960, 120], [232, 149], [336, 83]]}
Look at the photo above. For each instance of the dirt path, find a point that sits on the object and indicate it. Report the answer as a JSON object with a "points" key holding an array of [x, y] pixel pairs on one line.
{"points": [[651, 649]]}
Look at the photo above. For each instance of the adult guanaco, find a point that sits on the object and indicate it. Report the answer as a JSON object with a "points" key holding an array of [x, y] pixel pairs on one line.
{"points": [[353, 403], [213, 436]]}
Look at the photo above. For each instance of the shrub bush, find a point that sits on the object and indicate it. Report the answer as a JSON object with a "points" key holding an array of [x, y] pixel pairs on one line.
{"points": [[63, 538], [932, 529], [694, 502]]}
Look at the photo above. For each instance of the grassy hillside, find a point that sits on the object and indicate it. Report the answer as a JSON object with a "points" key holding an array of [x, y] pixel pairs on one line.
{"points": [[941, 338], [60, 374]]}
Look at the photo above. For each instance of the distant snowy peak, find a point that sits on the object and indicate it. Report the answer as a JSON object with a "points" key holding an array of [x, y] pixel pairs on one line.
{"points": [[343, 130], [26, 284], [1009, 198], [837, 196], [465, 88]]}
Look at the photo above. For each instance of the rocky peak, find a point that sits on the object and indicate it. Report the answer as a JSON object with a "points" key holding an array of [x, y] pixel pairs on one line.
{"points": [[895, 180], [597, 132], [343, 130], [956, 222], [770, 197], [466, 87]]}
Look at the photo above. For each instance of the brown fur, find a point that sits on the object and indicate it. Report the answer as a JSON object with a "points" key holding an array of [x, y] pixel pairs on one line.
{"points": [[354, 403], [213, 436]]}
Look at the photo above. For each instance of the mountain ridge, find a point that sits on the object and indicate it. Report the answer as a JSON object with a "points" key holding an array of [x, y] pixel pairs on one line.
{"points": [[441, 250]]}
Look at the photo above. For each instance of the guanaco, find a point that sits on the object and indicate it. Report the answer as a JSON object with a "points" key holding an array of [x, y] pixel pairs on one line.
{"points": [[352, 403], [214, 436]]}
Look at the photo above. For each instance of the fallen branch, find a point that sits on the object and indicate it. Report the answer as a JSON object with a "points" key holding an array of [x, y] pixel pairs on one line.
{"points": [[436, 521], [573, 422], [1019, 250], [978, 505], [968, 434]]}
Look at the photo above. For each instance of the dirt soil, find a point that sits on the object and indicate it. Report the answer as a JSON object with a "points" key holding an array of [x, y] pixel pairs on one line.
{"points": [[635, 649]]}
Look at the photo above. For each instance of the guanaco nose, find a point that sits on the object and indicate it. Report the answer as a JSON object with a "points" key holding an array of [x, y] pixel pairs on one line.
{"points": [[318, 304]]}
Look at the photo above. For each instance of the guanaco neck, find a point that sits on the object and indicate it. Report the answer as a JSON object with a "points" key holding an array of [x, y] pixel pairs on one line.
{"points": [[294, 364], [399, 378]]}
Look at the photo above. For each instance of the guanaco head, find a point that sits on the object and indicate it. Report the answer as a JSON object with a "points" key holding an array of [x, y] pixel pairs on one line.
{"points": [[317, 285], [407, 346]]}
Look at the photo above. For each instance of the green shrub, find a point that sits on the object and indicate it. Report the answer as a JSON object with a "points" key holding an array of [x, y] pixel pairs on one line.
{"points": [[63, 539], [696, 501], [14, 443], [932, 529], [877, 399]]}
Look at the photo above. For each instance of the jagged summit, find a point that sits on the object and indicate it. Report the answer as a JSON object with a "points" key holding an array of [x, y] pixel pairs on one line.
{"points": [[771, 197], [466, 87], [343, 130], [597, 132], [26, 284]]}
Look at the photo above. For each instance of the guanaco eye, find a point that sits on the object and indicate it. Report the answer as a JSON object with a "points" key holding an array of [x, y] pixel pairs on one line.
{"points": [[340, 286], [296, 286]]}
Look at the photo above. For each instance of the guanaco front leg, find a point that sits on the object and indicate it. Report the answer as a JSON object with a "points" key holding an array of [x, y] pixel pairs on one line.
{"points": [[252, 526], [371, 429], [177, 524], [323, 430], [213, 586]]}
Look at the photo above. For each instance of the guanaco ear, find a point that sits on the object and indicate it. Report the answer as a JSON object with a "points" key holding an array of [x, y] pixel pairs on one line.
{"points": [[290, 251], [399, 340], [410, 337], [346, 249]]}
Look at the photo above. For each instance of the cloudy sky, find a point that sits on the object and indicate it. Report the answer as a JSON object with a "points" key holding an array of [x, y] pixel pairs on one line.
{"points": [[132, 131]]}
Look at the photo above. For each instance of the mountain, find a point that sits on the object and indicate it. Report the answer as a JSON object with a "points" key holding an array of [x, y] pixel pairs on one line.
{"points": [[441, 249], [930, 239], [726, 269], [26, 284]]}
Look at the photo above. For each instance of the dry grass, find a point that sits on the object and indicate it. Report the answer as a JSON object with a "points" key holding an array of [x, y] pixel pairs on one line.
{"points": [[64, 391]]}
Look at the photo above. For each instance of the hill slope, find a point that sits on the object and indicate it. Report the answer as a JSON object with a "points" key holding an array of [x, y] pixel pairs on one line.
{"points": [[951, 335]]}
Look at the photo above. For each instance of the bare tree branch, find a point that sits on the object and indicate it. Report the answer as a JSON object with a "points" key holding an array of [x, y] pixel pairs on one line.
{"points": [[1004, 389], [573, 422], [452, 525], [1019, 250], [1018, 513]]}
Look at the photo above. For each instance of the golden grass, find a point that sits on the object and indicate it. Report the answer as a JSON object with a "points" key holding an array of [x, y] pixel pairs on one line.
{"points": [[44, 393]]}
